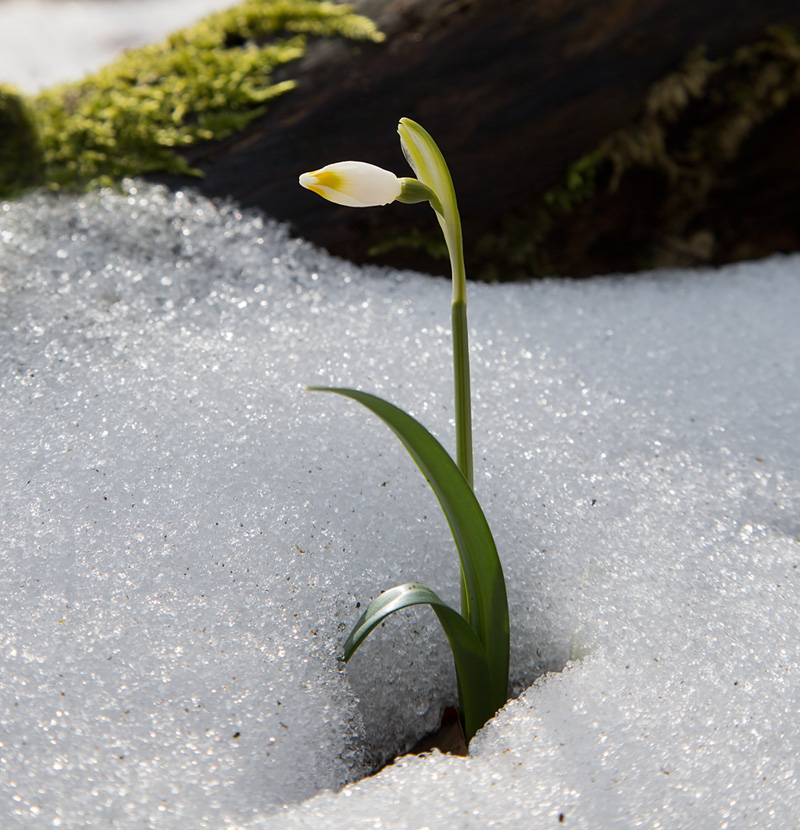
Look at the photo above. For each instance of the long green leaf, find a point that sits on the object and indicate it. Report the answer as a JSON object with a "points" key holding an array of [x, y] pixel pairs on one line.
{"points": [[487, 611], [469, 655]]}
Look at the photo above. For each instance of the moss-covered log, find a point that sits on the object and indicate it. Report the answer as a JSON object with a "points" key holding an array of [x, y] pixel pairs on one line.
{"points": [[541, 109], [202, 84], [583, 137]]}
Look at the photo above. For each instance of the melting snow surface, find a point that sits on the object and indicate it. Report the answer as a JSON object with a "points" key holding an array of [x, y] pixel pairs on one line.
{"points": [[186, 534]]}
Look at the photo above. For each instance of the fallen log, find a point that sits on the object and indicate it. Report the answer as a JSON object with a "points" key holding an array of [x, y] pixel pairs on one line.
{"points": [[514, 92]]}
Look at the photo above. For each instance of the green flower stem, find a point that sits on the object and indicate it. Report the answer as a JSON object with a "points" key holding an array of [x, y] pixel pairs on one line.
{"points": [[428, 163], [462, 397], [463, 407]]}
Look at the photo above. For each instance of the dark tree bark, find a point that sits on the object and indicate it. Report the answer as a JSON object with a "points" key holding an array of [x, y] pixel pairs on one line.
{"points": [[512, 90]]}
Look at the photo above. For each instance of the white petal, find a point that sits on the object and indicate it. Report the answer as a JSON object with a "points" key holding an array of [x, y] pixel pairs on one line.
{"points": [[353, 183]]}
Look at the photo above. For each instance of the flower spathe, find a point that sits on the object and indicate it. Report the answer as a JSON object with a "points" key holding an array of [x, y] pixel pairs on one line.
{"points": [[354, 184]]}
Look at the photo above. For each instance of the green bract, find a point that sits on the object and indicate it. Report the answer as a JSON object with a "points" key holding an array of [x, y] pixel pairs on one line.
{"points": [[479, 635]]}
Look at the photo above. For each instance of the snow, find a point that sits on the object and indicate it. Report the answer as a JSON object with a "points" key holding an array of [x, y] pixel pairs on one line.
{"points": [[185, 534], [44, 42]]}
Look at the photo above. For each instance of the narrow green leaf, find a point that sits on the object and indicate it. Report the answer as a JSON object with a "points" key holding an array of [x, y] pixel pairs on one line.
{"points": [[477, 702], [486, 609], [401, 596]]}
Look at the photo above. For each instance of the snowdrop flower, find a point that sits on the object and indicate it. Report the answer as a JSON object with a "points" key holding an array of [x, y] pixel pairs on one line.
{"points": [[359, 184], [354, 184], [478, 636]]}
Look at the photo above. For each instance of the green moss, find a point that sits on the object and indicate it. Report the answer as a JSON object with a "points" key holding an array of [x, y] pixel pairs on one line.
{"points": [[696, 120], [205, 82]]}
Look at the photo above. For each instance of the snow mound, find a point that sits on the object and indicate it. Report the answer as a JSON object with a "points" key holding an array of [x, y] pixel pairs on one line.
{"points": [[186, 534]]}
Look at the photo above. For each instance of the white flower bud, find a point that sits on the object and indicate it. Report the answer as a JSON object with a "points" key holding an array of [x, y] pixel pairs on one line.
{"points": [[353, 183]]}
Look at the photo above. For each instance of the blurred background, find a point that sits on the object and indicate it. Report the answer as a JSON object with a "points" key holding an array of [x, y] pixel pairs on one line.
{"points": [[584, 136], [45, 42]]}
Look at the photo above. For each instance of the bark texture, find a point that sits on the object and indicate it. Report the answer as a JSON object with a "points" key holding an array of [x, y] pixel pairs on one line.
{"points": [[514, 91]]}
